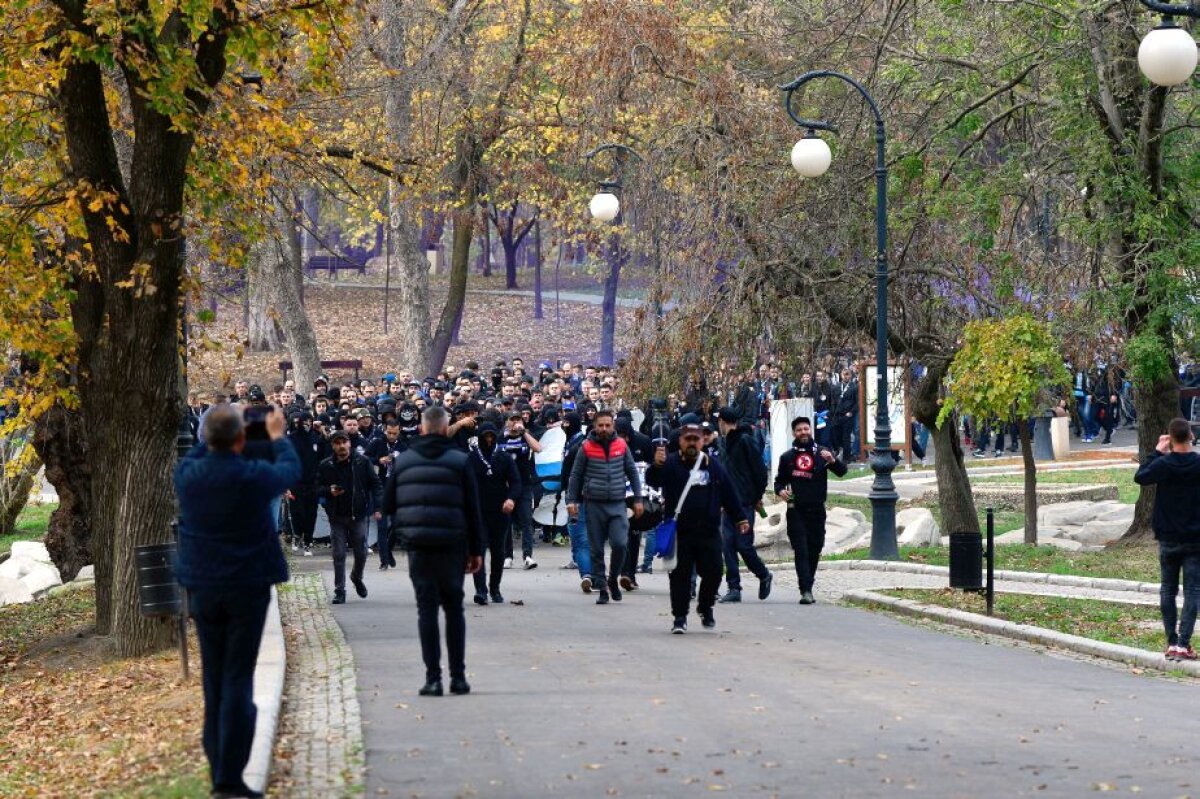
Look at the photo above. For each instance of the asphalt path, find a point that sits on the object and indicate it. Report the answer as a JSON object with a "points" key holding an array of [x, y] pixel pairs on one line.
{"points": [[571, 699]]}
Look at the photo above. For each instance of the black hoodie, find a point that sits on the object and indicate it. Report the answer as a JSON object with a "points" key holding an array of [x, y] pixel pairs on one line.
{"points": [[804, 471], [432, 497]]}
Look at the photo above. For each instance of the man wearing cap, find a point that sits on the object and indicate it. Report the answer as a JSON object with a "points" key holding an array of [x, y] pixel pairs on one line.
{"points": [[500, 489], [697, 522], [802, 482], [350, 487], [598, 478], [743, 460]]}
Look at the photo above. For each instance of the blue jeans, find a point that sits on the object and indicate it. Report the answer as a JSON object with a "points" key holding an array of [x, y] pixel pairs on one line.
{"points": [[229, 625], [1087, 417], [581, 547], [1173, 559], [384, 541], [648, 540], [734, 544]]}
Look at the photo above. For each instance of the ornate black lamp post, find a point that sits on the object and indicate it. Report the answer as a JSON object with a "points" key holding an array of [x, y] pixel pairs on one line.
{"points": [[811, 157], [1167, 55]]}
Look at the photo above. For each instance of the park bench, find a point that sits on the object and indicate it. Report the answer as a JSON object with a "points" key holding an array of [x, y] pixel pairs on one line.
{"points": [[355, 364], [333, 263]]}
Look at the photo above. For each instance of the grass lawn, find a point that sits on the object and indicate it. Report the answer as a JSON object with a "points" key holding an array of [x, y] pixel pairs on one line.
{"points": [[78, 723], [1120, 476], [1124, 563], [1116, 623], [31, 524]]}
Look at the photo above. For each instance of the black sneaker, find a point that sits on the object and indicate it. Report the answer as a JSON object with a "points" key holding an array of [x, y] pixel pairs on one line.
{"points": [[497, 599], [707, 620], [481, 598], [459, 686], [732, 595], [339, 597], [431, 688], [615, 589], [764, 586], [360, 587], [806, 598], [603, 598], [384, 567], [680, 626]]}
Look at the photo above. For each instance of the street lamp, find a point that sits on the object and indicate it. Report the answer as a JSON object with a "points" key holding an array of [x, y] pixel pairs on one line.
{"points": [[811, 157], [1167, 55]]}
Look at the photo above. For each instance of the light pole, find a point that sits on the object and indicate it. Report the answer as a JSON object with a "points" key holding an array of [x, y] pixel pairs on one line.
{"points": [[811, 158], [605, 206], [1167, 55]]}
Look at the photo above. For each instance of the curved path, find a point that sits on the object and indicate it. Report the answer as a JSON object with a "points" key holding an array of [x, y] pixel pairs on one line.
{"points": [[570, 699]]}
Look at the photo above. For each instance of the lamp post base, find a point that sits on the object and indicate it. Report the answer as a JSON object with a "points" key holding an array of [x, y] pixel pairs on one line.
{"points": [[883, 498]]}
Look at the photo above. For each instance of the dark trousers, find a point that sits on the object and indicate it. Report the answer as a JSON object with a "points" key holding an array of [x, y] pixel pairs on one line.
{"points": [[383, 541], [806, 532], [607, 522], [352, 534], [632, 552], [304, 516], [698, 550], [495, 525], [1173, 559], [736, 544], [522, 519], [229, 625], [437, 578], [840, 442]]}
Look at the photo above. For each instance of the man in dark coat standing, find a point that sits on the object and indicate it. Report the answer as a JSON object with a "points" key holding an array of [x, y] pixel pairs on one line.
{"points": [[698, 522], [500, 489], [743, 461], [229, 557], [432, 496]]}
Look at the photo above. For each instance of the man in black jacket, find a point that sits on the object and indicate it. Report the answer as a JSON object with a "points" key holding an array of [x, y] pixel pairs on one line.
{"points": [[1175, 469], [697, 530], [312, 448], [844, 411], [381, 452], [802, 482], [500, 489], [743, 462], [432, 495], [350, 487]]}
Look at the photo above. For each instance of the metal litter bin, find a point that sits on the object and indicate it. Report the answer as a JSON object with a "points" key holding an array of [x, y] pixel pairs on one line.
{"points": [[966, 561], [158, 592]]}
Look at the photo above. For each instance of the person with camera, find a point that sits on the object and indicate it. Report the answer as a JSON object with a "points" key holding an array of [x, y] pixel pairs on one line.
{"points": [[695, 490], [350, 487], [743, 461], [599, 474], [229, 557], [802, 481], [432, 495]]}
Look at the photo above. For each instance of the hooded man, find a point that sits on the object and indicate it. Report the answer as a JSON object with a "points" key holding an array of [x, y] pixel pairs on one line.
{"points": [[500, 490], [802, 482], [743, 460], [704, 488]]}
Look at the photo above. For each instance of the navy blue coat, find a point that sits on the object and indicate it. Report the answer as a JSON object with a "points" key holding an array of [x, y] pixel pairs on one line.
{"points": [[228, 536]]}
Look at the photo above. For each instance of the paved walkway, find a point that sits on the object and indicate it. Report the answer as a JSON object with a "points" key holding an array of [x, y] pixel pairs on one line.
{"points": [[571, 699]]}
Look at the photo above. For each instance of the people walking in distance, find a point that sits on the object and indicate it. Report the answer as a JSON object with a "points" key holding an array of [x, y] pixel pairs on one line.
{"points": [[432, 496], [599, 474], [500, 490], [743, 462], [350, 487], [696, 488], [1173, 467], [802, 481]]}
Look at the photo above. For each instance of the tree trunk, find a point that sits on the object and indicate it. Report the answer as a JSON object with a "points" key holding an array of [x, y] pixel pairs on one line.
{"points": [[459, 264], [955, 500], [608, 310], [537, 270], [485, 245], [1157, 404], [60, 441], [286, 275], [1031, 504], [510, 262], [264, 332], [19, 466]]}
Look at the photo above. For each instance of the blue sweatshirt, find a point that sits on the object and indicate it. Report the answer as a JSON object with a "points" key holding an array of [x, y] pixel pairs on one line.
{"points": [[227, 536]]}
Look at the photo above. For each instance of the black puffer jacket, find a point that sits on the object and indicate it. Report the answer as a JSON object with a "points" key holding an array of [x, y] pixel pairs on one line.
{"points": [[744, 464], [432, 497]]}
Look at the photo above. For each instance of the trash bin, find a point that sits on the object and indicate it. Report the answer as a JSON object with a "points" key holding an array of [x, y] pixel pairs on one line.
{"points": [[1043, 443], [158, 592], [966, 560]]}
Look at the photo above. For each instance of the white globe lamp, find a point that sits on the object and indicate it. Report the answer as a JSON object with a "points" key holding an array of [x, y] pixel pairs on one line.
{"points": [[1167, 56], [811, 156], [605, 206]]}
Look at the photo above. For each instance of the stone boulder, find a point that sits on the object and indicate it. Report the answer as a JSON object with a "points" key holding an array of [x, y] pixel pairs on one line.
{"points": [[30, 550], [29, 564], [846, 529], [917, 527], [14, 592]]}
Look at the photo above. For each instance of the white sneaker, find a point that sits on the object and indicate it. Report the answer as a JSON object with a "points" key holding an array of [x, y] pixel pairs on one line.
{"points": [[295, 547], [308, 552], [530, 563], [508, 563]]}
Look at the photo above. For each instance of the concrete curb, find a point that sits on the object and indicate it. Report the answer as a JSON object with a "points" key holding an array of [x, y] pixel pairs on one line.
{"points": [[268, 697], [1024, 632], [1001, 575]]}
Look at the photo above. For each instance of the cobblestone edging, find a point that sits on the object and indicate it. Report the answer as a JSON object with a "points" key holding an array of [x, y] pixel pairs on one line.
{"points": [[1001, 575], [1024, 632], [320, 749]]}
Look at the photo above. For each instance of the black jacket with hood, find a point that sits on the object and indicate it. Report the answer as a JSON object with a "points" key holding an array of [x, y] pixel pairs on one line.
{"points": [[433, 498], [744, 464]]}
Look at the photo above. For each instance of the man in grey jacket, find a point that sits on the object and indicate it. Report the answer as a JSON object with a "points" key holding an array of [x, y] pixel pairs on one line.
{"points": [[598, 477]]}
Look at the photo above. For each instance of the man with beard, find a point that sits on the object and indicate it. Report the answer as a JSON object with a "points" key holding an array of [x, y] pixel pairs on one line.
{"points": [[802, 482], [704, 488], [350, 487], [602, 467], [500, 489]]}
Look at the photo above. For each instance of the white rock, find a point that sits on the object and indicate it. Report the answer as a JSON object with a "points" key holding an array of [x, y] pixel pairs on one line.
{"points": [[15, 568], [845, 529], [917, 527], [14, 592], [41, 578], [31, 550], [86, 573]]}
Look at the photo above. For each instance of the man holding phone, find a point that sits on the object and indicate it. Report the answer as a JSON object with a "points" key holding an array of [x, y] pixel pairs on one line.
{"points": [[350, 486]]}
